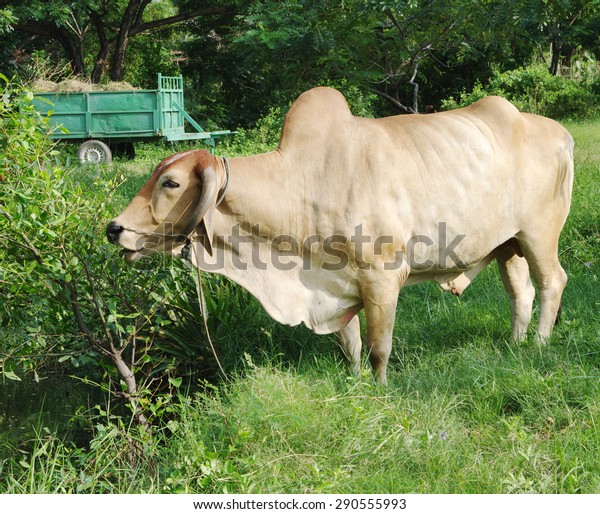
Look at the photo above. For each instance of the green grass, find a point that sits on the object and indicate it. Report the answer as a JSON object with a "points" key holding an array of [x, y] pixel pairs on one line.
{"points": [[466, 410], [498, 425]]}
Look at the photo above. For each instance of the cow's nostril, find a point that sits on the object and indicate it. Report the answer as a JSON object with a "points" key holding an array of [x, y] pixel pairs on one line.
{"points": [[113, 231]]}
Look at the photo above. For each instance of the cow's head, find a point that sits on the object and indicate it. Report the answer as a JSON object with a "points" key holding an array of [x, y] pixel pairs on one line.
{"points": [[178, 199]]}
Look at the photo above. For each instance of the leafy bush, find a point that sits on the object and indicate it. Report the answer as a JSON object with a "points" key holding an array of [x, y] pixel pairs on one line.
{"points": [[263, 137], [69, 300], [534, 89]]}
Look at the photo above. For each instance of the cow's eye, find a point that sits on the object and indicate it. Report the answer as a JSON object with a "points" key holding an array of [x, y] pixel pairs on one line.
{"points": [[170, 183]]}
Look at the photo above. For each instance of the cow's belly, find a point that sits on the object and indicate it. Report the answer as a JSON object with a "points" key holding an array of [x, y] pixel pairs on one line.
{"points": [[456, 278]]}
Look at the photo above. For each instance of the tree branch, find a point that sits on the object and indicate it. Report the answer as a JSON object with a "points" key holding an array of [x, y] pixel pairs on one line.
{"points": [[81, 324], [395, 22], [97, 20], [129, 379], [71, 47], [578, 14], [95, 298], [106, 46], [392, 100], [140, 12], [206, 11], [415, 85]]}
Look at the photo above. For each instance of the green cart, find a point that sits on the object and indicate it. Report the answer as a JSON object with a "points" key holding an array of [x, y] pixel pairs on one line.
{"points": [[106, 121]]}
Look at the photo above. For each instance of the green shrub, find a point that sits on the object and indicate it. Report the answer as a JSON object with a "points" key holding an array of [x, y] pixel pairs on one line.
{"points": [[534, 89], [69, 301], [263, 137]]}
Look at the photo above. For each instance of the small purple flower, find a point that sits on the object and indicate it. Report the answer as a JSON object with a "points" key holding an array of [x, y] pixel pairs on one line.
{"points": [[588, 265], [443, 435]]}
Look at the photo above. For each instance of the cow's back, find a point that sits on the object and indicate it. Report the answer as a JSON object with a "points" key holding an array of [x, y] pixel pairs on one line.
{"points": [[486, 171]]}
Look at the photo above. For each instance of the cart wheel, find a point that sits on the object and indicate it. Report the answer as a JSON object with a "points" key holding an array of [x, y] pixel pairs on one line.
{"points": [[94, 152]]}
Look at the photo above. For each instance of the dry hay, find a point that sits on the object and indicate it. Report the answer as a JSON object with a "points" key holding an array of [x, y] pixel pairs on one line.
{"points": [[118, 86], [74, 86], [77, 86], [43, 86]]}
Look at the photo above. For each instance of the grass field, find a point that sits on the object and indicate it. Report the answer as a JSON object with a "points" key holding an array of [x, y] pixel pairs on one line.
{"points": [[466, 410]]}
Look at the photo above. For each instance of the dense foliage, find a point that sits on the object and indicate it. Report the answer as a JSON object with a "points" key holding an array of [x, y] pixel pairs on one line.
{"points": [[70, 302], [534, 89], [242, 58]]}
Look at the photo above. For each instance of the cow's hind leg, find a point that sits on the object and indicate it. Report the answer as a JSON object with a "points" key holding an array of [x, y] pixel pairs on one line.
{"points": [[550, 278], [352, 344], [514, 271], [380, 312]]}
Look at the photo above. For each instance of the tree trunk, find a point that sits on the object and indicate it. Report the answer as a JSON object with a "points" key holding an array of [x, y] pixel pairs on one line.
{"points": [[117, 70], [133, 16], [74, 51], [555, 49], [102, 62], [106, 47], [131, 25], [72, 47]]}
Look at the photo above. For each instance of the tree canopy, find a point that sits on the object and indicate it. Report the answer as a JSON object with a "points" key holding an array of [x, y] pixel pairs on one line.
{"points": [[242, 58]]}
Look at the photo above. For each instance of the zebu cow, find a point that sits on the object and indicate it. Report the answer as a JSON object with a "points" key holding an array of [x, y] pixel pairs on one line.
{"points": [[349, 210]]}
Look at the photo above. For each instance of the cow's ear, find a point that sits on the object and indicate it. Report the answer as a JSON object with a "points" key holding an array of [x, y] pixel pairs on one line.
{"points": [[205, 229], [201, 219]]}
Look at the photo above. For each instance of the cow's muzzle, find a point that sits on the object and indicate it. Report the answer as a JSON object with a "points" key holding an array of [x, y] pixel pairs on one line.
{"points": [[113, 231]]}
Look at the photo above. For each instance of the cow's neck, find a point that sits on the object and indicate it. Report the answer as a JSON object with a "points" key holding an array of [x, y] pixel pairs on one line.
{"points": [[266, 199], [263, 191]]}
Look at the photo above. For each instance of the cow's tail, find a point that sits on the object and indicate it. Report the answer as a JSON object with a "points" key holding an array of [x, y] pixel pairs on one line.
{"points": [[566, 171]]}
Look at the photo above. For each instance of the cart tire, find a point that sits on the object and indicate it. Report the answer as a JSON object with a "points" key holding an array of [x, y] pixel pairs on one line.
{"points": [[94, 152]]}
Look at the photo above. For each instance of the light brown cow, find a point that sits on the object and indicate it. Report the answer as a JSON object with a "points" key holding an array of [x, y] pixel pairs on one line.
{"points": [[348, 210]]}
